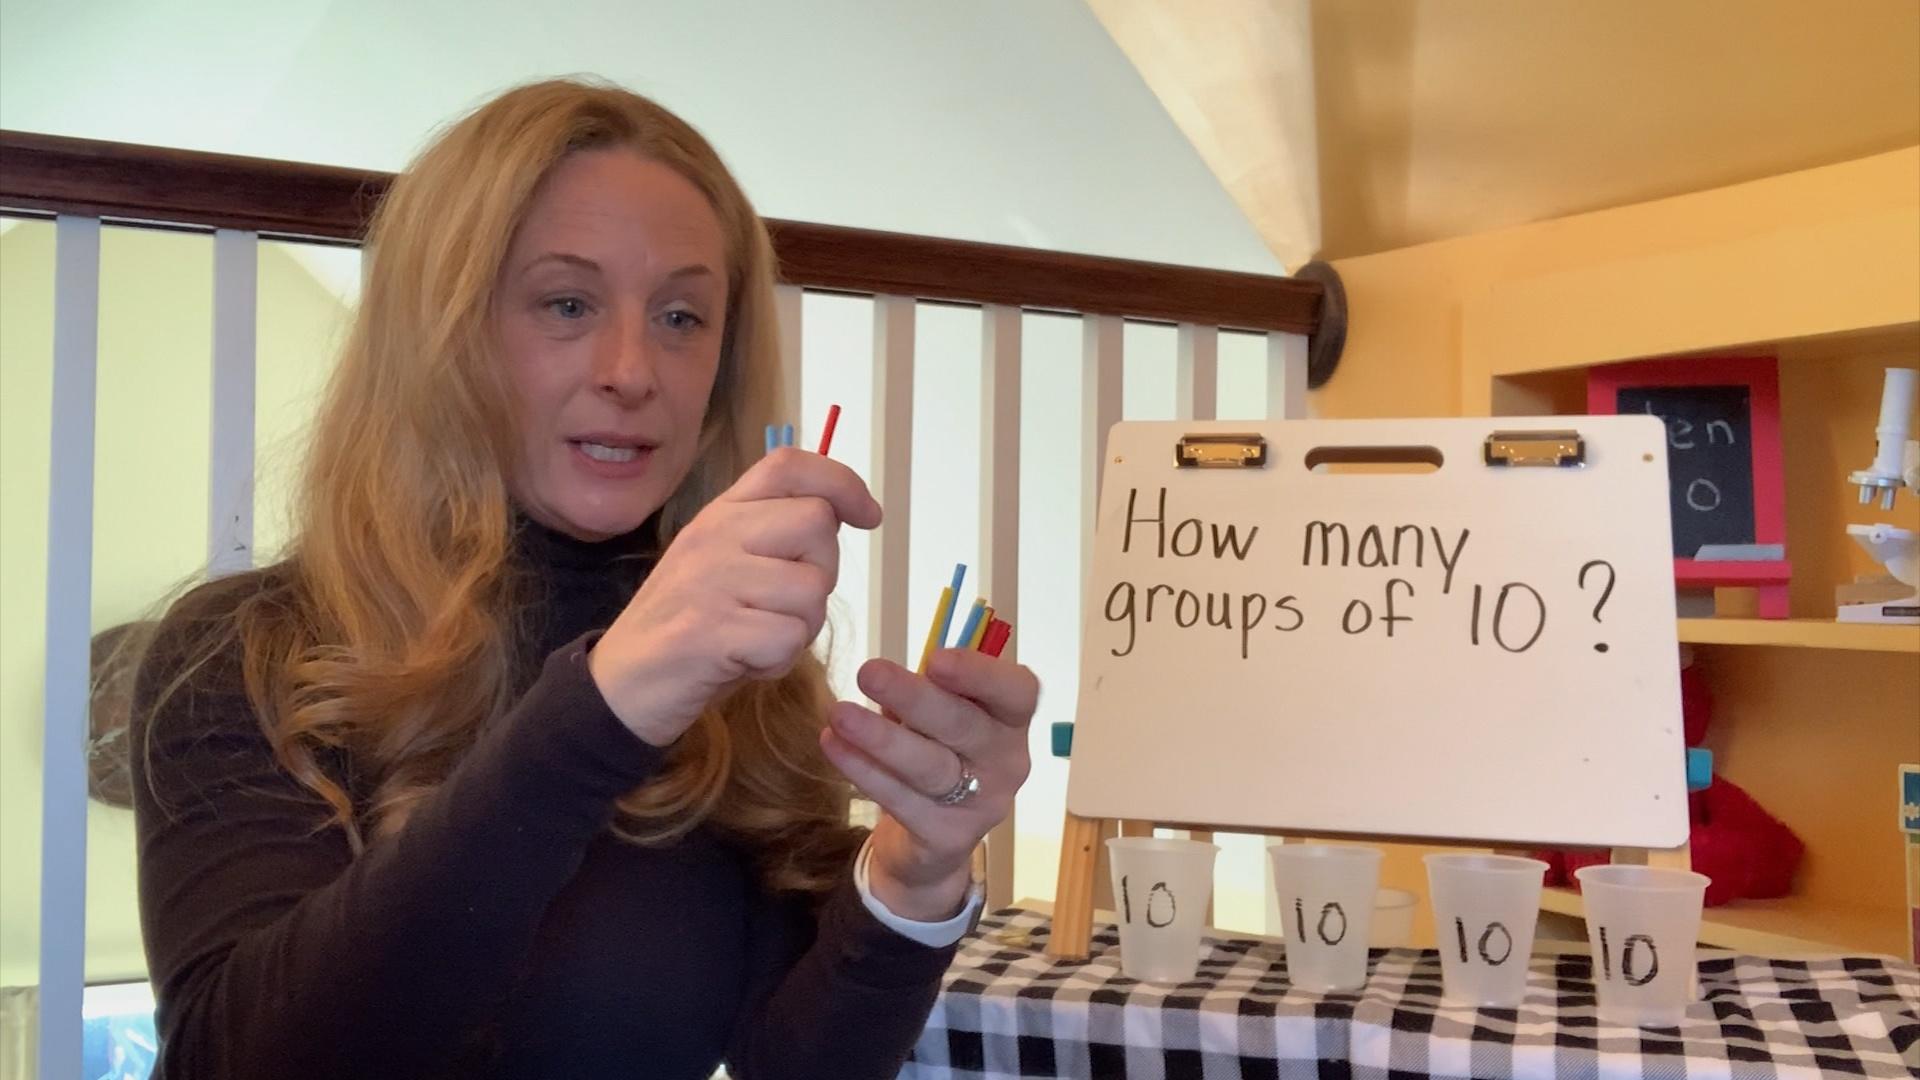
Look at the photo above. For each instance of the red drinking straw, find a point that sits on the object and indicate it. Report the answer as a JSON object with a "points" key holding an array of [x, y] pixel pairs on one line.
{"points": [[998, 632], [826, 434]]}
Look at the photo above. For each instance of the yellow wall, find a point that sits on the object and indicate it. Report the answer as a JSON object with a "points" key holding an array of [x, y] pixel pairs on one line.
{"points": [[150, 499], [1420, 313]]}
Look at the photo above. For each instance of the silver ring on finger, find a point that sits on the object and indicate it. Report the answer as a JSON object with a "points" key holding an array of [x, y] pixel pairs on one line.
{"points": [[967, 787]]}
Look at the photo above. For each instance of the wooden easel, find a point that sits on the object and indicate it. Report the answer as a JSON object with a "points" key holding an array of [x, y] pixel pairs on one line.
{"points": [[1581, 731]]}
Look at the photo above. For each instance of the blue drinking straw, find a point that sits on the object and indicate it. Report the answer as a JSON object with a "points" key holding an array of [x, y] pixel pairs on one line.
{"points": [[959, 576], [973, 623]]}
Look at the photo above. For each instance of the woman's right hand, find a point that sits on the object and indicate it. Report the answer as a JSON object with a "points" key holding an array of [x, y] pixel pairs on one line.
{"points": [[739, 594]]}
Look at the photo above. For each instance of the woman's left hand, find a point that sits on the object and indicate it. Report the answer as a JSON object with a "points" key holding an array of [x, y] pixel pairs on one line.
{"points": [[968, 707]]}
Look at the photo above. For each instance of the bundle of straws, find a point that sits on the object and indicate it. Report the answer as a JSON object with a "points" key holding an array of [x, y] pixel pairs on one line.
{"points": [[981, 631]]}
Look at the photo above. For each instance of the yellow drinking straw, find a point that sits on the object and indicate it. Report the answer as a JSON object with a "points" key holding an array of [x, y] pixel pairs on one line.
{"points": [[942, 614]]}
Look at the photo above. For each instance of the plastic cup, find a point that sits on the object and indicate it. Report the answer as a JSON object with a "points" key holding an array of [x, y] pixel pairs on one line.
{"points": [[1326, 901], [1644, 925], [1392, 919], [1485, 909], [1161, 886]]}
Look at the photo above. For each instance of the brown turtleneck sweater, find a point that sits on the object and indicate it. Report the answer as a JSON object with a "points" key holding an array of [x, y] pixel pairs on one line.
{"points": [[503, 932]]}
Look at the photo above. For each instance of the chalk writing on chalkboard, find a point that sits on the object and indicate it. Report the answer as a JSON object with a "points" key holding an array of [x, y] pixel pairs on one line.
{"points": [[1709, 460], [1512, 615]]}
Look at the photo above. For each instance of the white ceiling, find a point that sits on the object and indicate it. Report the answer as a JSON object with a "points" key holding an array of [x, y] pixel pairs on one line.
{"points": [[1013, 121]]}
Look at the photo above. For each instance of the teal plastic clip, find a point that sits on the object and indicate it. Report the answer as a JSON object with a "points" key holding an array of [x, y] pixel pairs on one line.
{"points": [[1699, 768], [1062, 738]]}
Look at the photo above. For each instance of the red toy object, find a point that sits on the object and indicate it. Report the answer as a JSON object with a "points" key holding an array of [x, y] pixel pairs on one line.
{"points": [[1696, 705], [1748, 853]]}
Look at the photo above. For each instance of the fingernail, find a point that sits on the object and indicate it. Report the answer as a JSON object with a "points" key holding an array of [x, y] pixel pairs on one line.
{"points": [[852, 721], [877, 677]]}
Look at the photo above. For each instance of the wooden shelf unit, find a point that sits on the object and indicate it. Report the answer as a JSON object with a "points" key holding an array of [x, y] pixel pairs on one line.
{"points": [[1802, 634], [1811, 715], [1831, 287], [1786, 927]]}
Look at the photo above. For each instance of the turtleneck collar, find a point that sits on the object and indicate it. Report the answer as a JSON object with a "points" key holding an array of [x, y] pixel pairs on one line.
{"points": [[570, 586], [543, 547]]}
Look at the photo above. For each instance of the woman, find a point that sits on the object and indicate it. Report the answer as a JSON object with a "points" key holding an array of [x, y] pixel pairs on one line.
{"points": [[519, 764]]}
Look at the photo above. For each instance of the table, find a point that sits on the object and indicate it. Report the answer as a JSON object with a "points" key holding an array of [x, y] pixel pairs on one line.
{"points": [[1009, 1011]]}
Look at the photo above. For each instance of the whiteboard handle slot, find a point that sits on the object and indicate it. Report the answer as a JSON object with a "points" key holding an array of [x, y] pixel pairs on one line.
{"points": [[1390, 459]]}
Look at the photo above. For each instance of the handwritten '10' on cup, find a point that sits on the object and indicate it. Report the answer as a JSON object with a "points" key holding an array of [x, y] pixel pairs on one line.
{"points": [[1485, 909], [1326, 900], [1160, 890], [1643, 923]]}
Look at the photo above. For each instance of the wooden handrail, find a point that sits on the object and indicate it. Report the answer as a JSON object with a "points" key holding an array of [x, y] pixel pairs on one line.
{"points": [[124, 182]]}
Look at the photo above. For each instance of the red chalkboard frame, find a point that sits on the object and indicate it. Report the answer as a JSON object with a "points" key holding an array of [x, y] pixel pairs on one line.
{"points": [[1761, 376]]}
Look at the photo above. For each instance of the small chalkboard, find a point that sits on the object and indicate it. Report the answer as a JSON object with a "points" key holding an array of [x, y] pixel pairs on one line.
{"points": [[1709, 460], [1722, 417]]}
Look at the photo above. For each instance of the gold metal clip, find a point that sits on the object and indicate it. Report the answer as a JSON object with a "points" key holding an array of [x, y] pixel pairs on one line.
{"points": [[1225, 451], [1562, 449]]}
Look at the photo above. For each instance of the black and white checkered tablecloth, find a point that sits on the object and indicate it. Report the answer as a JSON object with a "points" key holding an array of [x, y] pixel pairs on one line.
{"points": [[1009, 1011]]}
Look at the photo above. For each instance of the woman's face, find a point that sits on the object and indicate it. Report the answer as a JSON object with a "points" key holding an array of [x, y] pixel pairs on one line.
{"points": [[610, 310]]}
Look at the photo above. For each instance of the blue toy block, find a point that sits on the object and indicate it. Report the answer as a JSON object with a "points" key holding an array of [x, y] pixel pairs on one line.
{"points": [[1062, 738]]}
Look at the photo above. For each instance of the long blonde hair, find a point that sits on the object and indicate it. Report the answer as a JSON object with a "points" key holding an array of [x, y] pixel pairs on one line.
{"points": [[389, 633]]}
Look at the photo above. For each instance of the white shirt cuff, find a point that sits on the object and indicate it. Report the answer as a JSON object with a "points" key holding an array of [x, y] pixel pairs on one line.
{"points": [[937, 935]]}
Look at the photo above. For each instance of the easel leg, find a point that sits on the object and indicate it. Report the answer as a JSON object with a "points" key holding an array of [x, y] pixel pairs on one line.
{"points": [[1073, 893], [1205, 836], [1680, 858], [1103, 866]]}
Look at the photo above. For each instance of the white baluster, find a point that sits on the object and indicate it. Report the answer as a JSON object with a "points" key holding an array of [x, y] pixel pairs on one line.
{"points": [[1000, 523], [230, 460], [63, 802], [1197, 389], [892, 475], [1102, 360], [1286, 376], [1197, 397], [1100, 385], [1286, 400]]}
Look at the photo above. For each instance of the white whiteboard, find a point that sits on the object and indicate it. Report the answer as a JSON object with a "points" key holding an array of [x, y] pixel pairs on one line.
{"points": [[1283, 719]]}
